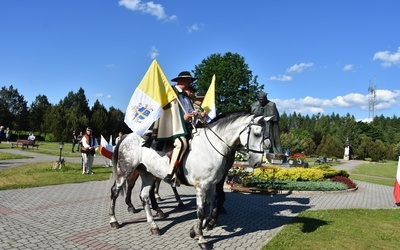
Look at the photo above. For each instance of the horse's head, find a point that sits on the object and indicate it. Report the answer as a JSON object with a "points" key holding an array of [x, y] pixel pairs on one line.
{"points": [[252, 138]]}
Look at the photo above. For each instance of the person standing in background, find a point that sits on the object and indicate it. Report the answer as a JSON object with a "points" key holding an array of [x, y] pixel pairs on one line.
{"points": [[74, 141], [89, 145], [79, 139], [118, 138], [8, 135], [1, 133]]}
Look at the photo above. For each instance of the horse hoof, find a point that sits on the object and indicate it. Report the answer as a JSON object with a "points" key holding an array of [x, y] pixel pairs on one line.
{"points": [[181, 205], [114, 224], [203, 246], [161, 215], [133, 210], [192, 233], [211, 225], [155, 231]]}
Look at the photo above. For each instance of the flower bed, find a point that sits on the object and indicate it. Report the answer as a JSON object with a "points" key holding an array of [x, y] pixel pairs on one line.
{"points": [[320, 178]]}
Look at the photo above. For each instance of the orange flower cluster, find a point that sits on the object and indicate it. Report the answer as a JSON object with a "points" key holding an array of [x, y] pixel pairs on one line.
{"points": [[298, 156]]}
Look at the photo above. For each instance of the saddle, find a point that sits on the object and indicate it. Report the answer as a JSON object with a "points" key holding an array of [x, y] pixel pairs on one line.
{"points": [[167, 147]]}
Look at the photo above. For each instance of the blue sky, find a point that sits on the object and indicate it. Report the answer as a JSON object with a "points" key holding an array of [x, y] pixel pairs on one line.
{"points": [[312, 56]]}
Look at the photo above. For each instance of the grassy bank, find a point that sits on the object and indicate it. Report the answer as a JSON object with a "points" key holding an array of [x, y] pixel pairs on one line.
{"points": [[340, 229]]}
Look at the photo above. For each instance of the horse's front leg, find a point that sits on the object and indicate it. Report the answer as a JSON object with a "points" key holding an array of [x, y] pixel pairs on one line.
{"points": [[212, 219], [198, 230], [147, 181], [178, 198], [131, 183], [154, 204], [156, 188]]}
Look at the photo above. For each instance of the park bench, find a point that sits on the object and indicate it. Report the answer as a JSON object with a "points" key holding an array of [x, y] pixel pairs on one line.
{"points": [[24, 144]]}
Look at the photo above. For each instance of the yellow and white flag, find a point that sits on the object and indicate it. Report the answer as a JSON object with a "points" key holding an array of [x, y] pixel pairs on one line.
{"points": [[151, 95], [208, 103]]}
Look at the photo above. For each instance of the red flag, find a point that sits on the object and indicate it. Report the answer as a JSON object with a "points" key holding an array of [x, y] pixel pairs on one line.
{"points": [[105, 148], [396, 192]]}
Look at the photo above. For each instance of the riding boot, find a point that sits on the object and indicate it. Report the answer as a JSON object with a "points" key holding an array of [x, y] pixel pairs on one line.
{"points": [[171, 176]]}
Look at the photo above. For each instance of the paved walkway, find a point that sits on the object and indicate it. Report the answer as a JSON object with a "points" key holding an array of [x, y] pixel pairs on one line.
{"points": [[36, 157], [75, 216]]}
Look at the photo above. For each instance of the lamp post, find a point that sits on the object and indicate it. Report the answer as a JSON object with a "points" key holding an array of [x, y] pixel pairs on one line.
{"points": [[60, 146], [346, 156], [59, 163]]}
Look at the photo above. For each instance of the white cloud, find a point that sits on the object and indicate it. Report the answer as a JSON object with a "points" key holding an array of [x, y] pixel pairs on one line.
{"points": [[388, 59], [298, 68], [348, 67], [384, 99], [101, 95], [151, 8], [111, 66], [282, 78], [194, 27], [153, 52]]}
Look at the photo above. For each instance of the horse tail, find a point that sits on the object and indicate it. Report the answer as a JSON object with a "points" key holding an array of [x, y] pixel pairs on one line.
{"points": [[115, 159]]}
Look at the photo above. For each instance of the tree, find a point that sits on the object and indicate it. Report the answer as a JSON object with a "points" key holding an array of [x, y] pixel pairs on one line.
{"points": [[38, 110], [13, 109], [116, 122], [235, 87], [99, 119]]}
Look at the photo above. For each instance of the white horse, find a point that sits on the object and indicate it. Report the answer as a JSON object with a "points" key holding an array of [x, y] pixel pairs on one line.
{"points": [[203, 165]]}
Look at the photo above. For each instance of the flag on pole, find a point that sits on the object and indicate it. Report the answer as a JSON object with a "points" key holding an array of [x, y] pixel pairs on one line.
{"points": [[208, 103], [151, 95], [396, 192], [106, 149]]}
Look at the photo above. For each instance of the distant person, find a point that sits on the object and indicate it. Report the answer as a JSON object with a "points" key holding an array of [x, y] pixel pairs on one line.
{"points": [[32, 137], [74, 139], [1, 133], [79, 139], [8, 135], [89, 145], [119, 137], [199, 114], [266, 107]]}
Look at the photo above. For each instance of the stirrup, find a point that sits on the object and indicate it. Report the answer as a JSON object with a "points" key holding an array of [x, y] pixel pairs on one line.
{"points": [[168, 179]]}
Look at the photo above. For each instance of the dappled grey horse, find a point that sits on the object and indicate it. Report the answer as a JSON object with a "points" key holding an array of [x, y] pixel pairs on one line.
{"points": [[203, 166]]}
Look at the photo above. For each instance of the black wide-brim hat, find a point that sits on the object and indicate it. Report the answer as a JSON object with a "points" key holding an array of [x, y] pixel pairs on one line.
{"points": [[184, 74]]}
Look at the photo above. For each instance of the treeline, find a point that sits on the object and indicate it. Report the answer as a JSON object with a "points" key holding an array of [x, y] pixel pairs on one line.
{"points": [[323, 135], [326, 135], [56, 122]]}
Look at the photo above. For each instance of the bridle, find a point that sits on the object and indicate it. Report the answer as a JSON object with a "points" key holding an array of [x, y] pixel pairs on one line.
{"points": [[246, 147]]}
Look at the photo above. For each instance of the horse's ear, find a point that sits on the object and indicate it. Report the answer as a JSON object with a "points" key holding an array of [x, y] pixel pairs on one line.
{"points": [[258, 119], [268, 118]]}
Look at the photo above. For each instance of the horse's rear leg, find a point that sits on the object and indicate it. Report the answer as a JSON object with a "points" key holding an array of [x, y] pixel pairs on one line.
{"points": [[131, 183], [147, 182], [114, 195]]}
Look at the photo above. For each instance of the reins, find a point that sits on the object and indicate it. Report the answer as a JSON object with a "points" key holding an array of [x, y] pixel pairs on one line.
{"points": [[248, 127]]}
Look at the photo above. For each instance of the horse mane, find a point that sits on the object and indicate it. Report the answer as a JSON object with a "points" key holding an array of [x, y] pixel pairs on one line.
{"points": [[226, 118]]}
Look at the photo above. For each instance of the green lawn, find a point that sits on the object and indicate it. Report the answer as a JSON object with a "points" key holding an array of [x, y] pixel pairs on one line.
{"points": [[340, 229], [378, 173]]}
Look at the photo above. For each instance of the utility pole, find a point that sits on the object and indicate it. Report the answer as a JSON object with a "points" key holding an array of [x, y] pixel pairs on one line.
{"points": [[372, 97]]}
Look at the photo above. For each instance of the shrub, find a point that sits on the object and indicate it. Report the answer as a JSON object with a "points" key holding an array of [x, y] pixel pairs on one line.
{"points": [[299, 174], [342, 179], [330, 172], [310, 185]]}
